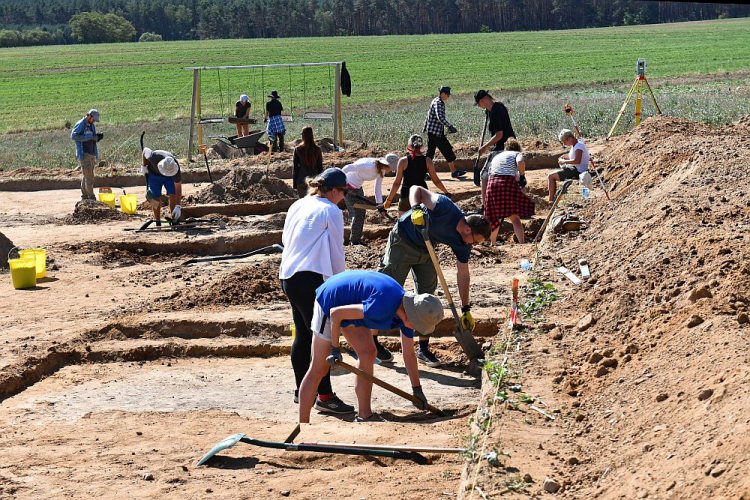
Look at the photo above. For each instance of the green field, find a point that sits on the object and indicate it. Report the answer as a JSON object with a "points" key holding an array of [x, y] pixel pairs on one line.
{"points": [[47, 88]]}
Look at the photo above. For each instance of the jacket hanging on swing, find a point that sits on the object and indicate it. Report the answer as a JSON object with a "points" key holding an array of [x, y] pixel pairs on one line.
{"points": [[346, 81]]}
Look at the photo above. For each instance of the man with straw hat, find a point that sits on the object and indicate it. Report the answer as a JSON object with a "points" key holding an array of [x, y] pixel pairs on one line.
{"points": [[275, 124]]}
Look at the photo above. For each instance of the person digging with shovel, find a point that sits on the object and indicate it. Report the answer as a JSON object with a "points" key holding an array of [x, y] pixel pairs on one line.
{"points": [[162, 171], [354, 303], [407, 253]]}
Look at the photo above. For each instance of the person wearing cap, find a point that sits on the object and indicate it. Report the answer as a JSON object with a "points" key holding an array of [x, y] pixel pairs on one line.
{"points": [[313, 241], [357, 173], [242, 111], [85, 136], [574, 165], [500, 129], [411, 170], [354, 303], [275, 124], [434, 125], [307, 161], [406, 252], [162, 170]]}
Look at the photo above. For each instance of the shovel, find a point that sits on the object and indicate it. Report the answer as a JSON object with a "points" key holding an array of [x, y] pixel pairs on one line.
{"points": [[232, 440], [275, 248], [202, 148]]}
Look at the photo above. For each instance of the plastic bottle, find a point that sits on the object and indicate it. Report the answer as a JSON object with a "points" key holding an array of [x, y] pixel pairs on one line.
{"points": [[525, 264], [585, 193]]}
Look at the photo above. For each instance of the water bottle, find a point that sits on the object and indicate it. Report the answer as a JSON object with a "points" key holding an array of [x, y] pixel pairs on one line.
{"points": [[525, 264], [585, 193]]}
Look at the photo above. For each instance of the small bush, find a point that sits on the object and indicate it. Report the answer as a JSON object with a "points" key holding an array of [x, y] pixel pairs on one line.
{"points": [[150, 37]]}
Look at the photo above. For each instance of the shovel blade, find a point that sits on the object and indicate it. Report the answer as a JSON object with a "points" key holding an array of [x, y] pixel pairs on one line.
{"points": [[225, 443]]}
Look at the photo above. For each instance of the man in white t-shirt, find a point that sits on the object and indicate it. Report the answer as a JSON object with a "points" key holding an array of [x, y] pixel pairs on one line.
{"points": [[572, 165]]}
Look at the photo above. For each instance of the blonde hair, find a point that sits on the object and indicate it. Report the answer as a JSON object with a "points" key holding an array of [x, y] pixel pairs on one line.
{"points": [[565, 134]]}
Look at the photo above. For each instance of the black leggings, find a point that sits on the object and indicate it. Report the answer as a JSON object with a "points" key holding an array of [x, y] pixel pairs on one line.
{"points": [[300, 290]]}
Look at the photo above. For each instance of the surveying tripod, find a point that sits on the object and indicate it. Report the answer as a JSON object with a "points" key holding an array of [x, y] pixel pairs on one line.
{"points": [[637, 90]]}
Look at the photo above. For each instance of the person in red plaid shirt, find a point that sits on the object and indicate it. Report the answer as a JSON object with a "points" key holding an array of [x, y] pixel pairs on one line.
{"points": [[505, 198], [434, 125]]}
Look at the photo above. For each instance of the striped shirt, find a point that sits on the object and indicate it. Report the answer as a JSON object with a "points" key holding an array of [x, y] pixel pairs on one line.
{"points": [[435, 121], [505, 163]]}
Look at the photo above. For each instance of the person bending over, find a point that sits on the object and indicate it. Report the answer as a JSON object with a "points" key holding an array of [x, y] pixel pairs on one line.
{"points": [[162, 170], [357, 173]]}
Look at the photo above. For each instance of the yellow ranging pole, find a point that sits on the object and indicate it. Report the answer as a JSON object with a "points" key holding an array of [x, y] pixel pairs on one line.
{"points": [[636, 89]]}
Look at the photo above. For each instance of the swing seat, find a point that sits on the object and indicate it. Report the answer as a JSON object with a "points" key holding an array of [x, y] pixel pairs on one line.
{"points": [[318, 115], [232, 119], [287, 118], [211, 120]]}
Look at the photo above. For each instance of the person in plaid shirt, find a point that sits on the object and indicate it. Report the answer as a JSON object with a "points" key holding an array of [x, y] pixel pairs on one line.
{"points": [[275, 127], [434, 125]]}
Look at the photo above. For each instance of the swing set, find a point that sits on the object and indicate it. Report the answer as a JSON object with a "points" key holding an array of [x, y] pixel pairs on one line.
{"points": [[224, 112]]}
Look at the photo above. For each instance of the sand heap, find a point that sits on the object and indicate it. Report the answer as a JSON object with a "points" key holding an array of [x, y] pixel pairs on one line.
{"points": [[93, 211], [5, 247], [657, 341], [242, 186]]}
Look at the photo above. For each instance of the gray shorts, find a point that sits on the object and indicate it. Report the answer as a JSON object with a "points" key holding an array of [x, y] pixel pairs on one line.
{"points": [[567, 173], [321, 324]]}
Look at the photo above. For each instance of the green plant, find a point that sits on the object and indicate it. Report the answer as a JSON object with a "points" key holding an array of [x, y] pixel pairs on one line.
{"points": [[540, 296]]}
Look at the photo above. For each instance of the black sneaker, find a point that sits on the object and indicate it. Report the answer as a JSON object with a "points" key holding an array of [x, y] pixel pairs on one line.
{"points": [[333, 405], [427, 358], [296, 396], [458, 173], [372, 418], [384, 355]]}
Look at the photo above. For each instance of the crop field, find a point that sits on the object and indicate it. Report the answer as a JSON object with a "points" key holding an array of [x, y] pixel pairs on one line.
{"points": [[702, 68]]}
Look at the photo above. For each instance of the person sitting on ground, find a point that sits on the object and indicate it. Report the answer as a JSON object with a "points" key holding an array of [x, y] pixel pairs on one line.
{"points": [[162, 170], [357, 173], [412, 170], [354, 303], [501, 130], [505, 198], [572, 165], [275, 124], [313, 241], [307, 161], [242, 111], [85, 136], [406, 253], [434, 125]]}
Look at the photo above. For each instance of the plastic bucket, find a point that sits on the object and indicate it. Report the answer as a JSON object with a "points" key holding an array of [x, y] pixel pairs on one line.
{"points": [[40, 257], [108, 198], [23, 272], [128, 203]]}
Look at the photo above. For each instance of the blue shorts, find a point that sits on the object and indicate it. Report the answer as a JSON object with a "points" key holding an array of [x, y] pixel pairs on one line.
{"points": [[156, 182]]}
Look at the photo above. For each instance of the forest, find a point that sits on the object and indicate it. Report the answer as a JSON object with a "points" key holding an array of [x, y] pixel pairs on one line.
{"points": [[44, 22]]}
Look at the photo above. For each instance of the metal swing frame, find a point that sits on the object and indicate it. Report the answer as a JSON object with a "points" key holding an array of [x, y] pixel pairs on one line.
{"points": [[195, 110]]}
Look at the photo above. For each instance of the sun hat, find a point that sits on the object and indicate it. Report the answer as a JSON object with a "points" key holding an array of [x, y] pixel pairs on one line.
{"points": [[424, 311], [94, 113], [445, 90], [168, 167], [243, 98], [334, 177], [479, 95], [274, 94], [391, 159]]}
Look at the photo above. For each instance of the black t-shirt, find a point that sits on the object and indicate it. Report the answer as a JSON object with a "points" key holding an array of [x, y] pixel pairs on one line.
{"points": [[274, 107], [499, 120], [240, 109]]}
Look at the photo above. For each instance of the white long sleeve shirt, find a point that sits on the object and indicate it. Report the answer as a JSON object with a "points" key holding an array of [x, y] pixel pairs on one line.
{"points": [[363, 170], [313, 238]]}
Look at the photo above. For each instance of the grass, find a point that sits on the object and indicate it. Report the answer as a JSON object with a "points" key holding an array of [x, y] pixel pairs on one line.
{"points": [[43, 89]]}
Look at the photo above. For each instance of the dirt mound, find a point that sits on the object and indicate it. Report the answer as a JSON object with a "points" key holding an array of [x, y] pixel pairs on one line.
{"points": [[656, 341], [93, 211], [5, 247], [242, 186]]}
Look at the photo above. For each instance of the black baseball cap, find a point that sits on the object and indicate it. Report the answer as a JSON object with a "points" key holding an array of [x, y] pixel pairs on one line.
{"points": [[445, 90], [334, 177], [479, 95]]}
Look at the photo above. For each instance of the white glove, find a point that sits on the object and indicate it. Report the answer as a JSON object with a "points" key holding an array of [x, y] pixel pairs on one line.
{"points": [[144, 169], [176, 213]]}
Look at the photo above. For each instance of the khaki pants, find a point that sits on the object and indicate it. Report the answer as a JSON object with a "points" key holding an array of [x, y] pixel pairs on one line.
{"points": [[87, 176]]}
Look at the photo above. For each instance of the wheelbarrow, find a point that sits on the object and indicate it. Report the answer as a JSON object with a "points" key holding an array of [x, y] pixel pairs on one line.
{"points": [[246, 142]]}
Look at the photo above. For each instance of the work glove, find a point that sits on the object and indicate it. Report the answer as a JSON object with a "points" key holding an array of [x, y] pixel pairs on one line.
{"points": [[522, 181], [452, 129], [144, 169], [381, 210], [422, 403], [99, 136], [334, 356], [467, 320], [177, 212], [417, 215]]}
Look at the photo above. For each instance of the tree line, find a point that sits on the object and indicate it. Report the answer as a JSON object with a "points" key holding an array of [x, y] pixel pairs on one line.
{"points": [[43, 22]]}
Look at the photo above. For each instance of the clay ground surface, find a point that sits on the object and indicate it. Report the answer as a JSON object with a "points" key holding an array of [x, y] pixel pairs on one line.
{"points": [[124, 366]]}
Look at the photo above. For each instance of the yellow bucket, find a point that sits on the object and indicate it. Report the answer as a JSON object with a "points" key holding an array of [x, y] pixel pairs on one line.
{"points": [[40, 257], [108, 198], [23, 272], [128, 203]]}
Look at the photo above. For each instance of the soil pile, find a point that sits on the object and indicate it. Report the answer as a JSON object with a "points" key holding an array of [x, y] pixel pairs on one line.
{"points": [[656, 342], [5, 247], [242, 186], [93, 211]]}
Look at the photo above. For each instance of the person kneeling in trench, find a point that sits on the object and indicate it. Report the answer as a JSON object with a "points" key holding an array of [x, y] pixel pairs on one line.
{"points": [[355, 303], [162, 170]]}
